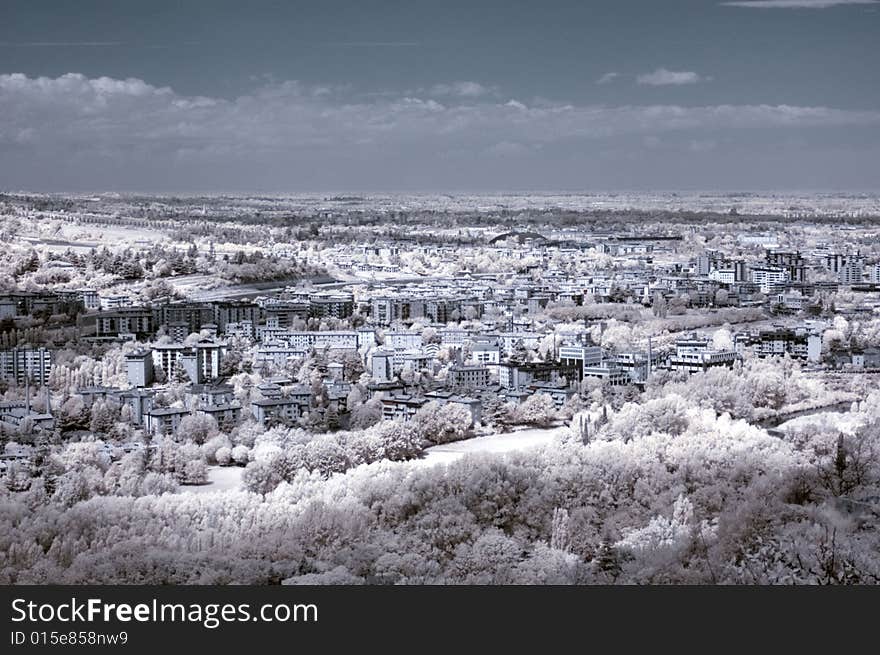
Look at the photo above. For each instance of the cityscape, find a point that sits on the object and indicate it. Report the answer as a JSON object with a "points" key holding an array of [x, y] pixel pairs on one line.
{"points": [[582, 392], [302, 296]]}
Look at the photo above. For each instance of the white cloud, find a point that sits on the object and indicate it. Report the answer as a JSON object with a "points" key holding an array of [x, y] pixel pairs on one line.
{"points": [[797, 4], [515, 104], [607, 78], [460, 89], [290, 113], [663, 77], [73, 123]]}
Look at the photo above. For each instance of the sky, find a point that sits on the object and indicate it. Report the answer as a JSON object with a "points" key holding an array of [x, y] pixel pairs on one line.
{"points": [[410, 95]]}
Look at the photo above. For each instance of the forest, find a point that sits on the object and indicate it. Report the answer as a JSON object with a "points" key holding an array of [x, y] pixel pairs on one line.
{"points": [[662, 492]]}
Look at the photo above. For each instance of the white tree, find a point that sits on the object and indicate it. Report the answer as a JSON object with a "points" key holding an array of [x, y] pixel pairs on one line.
{"points": [[442, 423], [194, 472], [538, 409], [198, 427], [722, 339], [240, 454], [223, 456]]}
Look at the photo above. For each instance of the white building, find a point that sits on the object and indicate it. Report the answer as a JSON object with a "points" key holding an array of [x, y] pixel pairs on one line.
{"points": [[276, 355], [697, 354], [403, 340], [767, 276], [115, 301], [486, 353], [608, 373], [723, 275]]}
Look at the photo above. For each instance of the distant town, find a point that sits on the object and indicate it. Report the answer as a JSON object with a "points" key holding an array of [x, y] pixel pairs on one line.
{"points": [[232, 345]]}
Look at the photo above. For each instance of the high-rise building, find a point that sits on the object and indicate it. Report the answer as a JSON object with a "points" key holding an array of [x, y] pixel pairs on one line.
{"points": [[139, 366], [851, 271], [18, 365], [793, 263]]}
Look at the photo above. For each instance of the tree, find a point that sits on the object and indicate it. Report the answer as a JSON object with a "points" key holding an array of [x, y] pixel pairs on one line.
{"points": [[367, 414], [72, 487], [538, 409], [240, 454], [331, 417], [261, 477], [769, 390], [400, 440], [722, 339], [430, 335], [198, 428], [211, 446], [442, 423], [17, 477], [581, 425], [325, 455], [230, 364], [520, 353], [74, 415], [355, 398], [496, 413], [223, 456], [678, 304], [618, 294], [103, 417], [659, 307], [855, 463], [408, 374], [559, 536], [194, 472]]}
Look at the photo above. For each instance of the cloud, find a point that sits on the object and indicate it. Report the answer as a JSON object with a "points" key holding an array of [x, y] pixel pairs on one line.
{"points": [[607, 77], [797, 4], [460, 89], [102, 131], [663, 77]]}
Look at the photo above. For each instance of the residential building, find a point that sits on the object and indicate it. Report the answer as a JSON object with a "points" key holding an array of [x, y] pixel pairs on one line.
{"points": [[139, 367], [21, 365], [468, 376]]}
